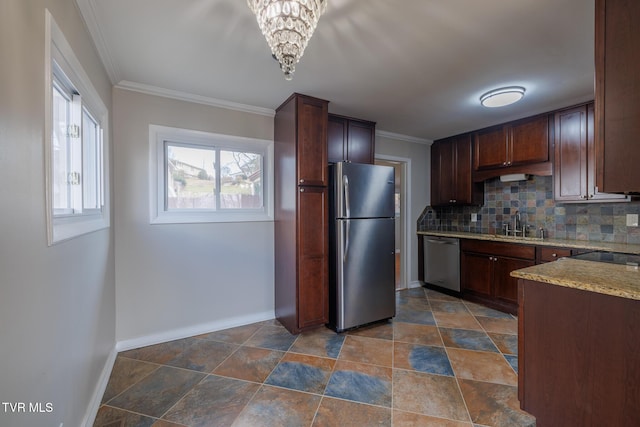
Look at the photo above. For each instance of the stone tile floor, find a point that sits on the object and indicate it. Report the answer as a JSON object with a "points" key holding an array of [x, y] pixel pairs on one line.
{"points": [[440, 362]]}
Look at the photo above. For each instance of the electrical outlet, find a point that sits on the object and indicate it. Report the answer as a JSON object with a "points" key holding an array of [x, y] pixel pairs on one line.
{"points": [[632, 220], [474, 217]]}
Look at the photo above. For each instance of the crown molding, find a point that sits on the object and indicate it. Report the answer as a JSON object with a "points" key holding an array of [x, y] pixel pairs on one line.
{"points": [[190, 97], [88, 13], [401, 137]]}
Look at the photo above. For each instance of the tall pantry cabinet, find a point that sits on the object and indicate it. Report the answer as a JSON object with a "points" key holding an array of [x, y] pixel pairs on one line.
{"points": [[301, 213]]}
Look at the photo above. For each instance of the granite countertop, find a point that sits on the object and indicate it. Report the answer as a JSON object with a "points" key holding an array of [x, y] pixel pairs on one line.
{"points": [[604, 278], [573, 244], [609, 279]]}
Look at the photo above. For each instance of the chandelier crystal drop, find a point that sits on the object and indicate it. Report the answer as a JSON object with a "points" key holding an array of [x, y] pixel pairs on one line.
{"points": [[287, 25]]}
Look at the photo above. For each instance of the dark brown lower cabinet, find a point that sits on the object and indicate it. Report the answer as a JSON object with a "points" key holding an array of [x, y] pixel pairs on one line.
{"points": [[505, 287], [551, 253], [313, 267], [477, 273], [302, 263], [578, 357], [486, 272]]}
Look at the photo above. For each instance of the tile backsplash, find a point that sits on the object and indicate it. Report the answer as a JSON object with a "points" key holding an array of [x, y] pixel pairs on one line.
{"points": [[534, 200]]}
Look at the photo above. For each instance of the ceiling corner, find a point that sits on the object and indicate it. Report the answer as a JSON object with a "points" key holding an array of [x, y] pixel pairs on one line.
{"points": [[402, 137], [87, 10]]}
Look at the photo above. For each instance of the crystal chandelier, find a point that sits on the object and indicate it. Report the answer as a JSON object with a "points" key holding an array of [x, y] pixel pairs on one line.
{"points": [[287, 25]]}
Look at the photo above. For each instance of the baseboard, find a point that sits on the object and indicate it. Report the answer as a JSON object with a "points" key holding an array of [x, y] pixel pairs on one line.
{"points": [[101, 386], [98, 392], [190, 331], [415, 284]]}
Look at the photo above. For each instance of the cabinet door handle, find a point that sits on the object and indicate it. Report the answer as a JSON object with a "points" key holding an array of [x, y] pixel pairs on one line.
{"points": [[302, 181], [554, 255], [302, 190]]}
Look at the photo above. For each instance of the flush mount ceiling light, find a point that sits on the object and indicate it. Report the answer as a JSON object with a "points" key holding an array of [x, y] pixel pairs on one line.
{"points": [[503, 96], [287, 25]]}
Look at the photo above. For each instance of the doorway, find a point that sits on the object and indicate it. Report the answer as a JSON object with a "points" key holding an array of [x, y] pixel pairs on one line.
{"points": [[400, 167]]}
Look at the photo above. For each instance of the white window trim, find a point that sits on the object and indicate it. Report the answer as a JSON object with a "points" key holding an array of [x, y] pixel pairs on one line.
{"points": [[157, 213], [56, 46]]}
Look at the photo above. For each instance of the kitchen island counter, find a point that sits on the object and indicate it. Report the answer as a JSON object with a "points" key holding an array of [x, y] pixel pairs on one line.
{"points": [[604, 278], [579, 343]]}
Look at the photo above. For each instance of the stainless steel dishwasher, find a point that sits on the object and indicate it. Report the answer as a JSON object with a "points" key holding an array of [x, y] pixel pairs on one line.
{"points": [[442, 262]]}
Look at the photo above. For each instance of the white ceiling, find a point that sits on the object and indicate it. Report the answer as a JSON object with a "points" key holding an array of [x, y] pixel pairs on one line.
{"points": [[416, 67]]}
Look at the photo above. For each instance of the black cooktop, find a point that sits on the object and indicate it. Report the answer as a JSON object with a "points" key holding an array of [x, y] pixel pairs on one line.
{"points": [[610, 257]]}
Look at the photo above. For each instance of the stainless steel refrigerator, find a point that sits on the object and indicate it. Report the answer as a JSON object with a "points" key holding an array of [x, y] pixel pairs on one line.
{"points": [[361, 244]]}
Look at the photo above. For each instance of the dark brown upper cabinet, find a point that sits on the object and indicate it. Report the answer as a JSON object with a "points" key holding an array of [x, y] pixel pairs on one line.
{"points": [[451, 182], [521, 146], [492, 148], [351, 140], [574, 163], [311, 137], [617, 101]]}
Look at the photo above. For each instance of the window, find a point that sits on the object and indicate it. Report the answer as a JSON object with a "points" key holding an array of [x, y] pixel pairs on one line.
{"points": [[75, 144], [77, 151], [206, 177]]}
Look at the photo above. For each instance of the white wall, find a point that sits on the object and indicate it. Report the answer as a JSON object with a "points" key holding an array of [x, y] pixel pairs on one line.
{"points": [[420, 155], [57, 304], [60, 309], [176, 280]]}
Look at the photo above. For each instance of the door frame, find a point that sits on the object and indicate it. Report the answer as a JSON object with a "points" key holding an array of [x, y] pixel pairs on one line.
{"points": [[405, 212]]}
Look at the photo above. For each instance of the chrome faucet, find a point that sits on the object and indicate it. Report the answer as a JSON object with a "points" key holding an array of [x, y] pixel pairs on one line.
{"points": [[516, 226], [516, 222]]}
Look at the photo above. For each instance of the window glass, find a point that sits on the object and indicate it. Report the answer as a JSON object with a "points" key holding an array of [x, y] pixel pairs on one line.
{"points": [[61, 151], [190, 177], [91, 162], [241, 180]]}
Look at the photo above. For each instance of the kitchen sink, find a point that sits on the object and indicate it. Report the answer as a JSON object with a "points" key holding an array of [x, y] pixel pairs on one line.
{"points": [[518, 238]]}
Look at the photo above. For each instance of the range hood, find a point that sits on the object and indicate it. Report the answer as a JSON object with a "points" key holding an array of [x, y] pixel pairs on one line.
{"points": [[514, 177]]}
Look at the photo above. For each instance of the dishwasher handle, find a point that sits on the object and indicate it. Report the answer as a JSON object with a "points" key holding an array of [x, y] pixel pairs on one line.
{"points": [[443, 242]]}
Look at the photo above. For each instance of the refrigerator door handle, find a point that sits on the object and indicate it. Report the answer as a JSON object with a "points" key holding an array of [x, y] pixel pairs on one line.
{"points": [[346, 239], [345, 185]]}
